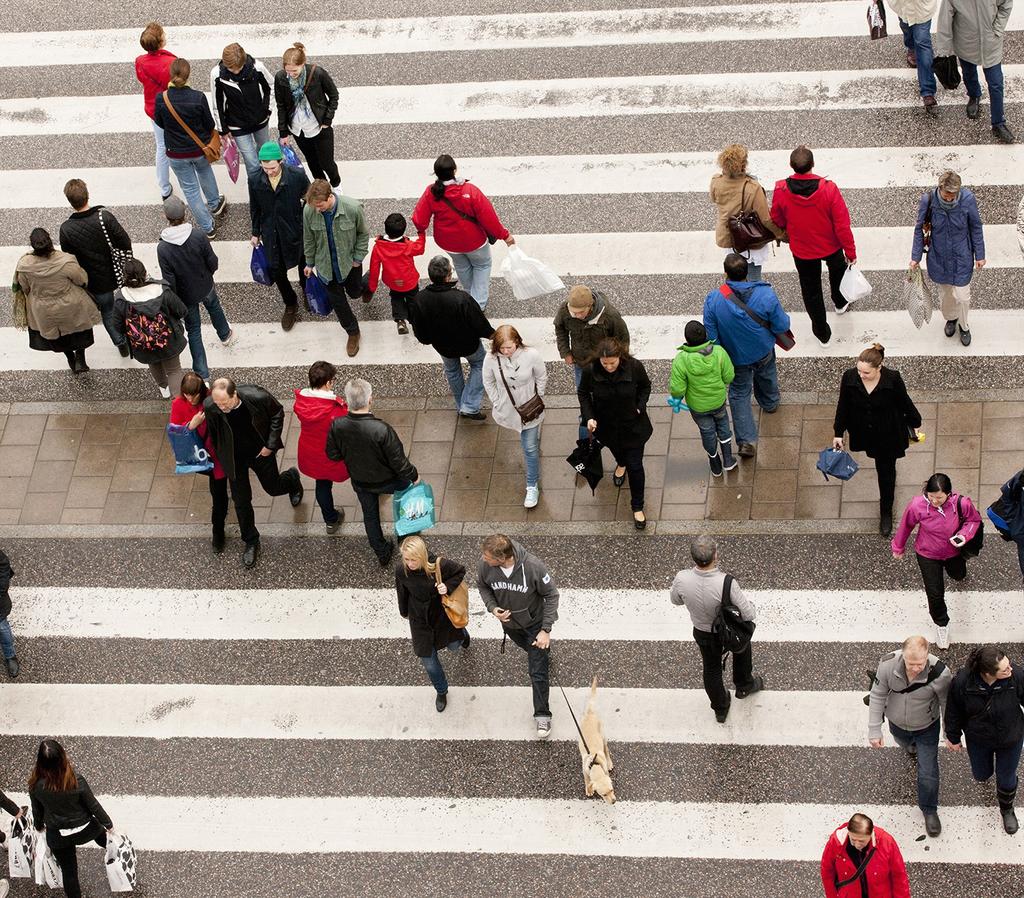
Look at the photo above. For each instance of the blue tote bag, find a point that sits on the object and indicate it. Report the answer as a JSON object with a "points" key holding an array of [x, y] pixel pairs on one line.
{"points": [[190, 455], [414, 509], [316, 295], [260, 267]]}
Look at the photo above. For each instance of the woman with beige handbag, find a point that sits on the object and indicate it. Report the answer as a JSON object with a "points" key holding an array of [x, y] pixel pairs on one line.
{"points": [[434, 598]]}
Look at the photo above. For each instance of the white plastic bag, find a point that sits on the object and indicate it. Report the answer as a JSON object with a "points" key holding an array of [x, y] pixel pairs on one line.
{"points": [[528, 277], [21, 847], [47, 870], [122, 873], [854, 285]]}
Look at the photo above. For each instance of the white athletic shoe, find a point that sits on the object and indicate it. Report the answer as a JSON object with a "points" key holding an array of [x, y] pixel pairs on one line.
{"points": [[532, 497], [165, 392], [942, 637], [228, 340], [543, 727]]}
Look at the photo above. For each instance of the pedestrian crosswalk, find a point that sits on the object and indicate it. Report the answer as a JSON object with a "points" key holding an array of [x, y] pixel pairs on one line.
{"points": [[275, 735]]}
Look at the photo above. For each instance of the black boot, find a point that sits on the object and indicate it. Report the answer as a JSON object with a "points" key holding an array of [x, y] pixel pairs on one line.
{"points": [[80, 364], [885, 521], [70, 356], [1006, 799]]}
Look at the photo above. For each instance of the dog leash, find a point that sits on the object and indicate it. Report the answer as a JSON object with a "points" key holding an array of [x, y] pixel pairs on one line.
{"points": [[583, 738]]}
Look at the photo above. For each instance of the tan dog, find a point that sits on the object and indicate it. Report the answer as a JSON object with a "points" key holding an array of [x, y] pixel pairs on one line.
{"points": [[597, 763]]}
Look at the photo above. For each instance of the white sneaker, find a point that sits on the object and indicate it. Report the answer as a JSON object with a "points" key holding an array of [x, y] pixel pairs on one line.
{"points": [[543, 727], [5, 887], [846, 308], [228, 340], [165, 392], [532, 497], [942, 637]]}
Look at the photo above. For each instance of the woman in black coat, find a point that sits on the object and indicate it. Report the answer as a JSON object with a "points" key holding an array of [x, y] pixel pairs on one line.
{"points": [[880, 416], [419, 601], [306, 103], [984, 704], [614, 391]]}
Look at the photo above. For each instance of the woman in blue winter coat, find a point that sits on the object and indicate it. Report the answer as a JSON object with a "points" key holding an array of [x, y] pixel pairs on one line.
{"points": [[948, 217]]}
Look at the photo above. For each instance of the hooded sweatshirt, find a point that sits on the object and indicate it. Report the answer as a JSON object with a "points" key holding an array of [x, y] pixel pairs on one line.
{"points": [[886, 872], [241, 103], [581, 336], [152, 300], [391, 261], [813, 211], [527, 591], [937, 525], [700, 375], [187, 262], [316, 409]]}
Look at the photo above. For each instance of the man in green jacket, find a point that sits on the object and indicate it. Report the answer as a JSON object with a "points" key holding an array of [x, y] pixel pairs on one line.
{"points": [[701, 374], [335, 240]]}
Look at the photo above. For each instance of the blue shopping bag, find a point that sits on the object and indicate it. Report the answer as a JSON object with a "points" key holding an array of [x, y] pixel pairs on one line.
{"points": [[260, 267], [316, 295], [414, 509], [838, 463], [190, 455], [290, 156]]}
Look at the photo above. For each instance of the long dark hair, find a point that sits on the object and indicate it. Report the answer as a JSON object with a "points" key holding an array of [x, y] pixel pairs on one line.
{"points": [[53, 768], [444, 170], [135, 273], [41, 242]]}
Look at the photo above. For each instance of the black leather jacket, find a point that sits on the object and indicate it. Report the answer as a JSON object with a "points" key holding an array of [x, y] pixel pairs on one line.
{"points": [[267, 418], [370, 449]]}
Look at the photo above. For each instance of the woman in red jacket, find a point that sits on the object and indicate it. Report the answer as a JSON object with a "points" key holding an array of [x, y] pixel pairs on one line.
{"points": [[153, 69], [465, 226], [316, 407], [187, 408], [861, 860]]}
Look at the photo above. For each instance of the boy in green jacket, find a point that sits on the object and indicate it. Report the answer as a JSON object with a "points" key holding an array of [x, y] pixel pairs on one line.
{"points": [[701, 374]]}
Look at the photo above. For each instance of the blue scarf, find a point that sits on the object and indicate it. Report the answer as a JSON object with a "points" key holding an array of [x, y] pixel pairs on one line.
{"points": [[298, 86]]}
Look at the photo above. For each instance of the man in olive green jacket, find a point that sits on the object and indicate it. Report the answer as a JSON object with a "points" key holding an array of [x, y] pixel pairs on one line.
{"points": [[335, 240]]}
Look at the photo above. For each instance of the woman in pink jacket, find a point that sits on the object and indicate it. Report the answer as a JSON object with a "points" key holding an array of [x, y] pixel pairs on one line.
{"points": [[946, 521], [465, 226]]}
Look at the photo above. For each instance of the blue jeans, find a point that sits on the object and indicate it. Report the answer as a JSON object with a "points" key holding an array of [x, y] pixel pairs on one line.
{"points": [[468, 394], [197, 180], [6, 639], [163, 170], [194, 329], [432, 666], [994, 79], [325, 499], [577, 376], [918, 40], [474, 271], [105, 303], [763, 378], [1003, 761], [927, 742], [713, 427], [530, 440], [249, 149]]}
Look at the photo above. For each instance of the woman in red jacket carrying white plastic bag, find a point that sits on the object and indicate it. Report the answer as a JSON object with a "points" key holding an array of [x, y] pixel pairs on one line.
{"points": [[862, 859]]}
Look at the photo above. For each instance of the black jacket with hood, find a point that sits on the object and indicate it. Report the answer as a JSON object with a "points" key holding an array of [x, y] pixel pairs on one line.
{"points": [[989, 716], [187, 262], [150, 299], [241, 102], [581, 336], [267, 420], [82, 236], [528, 592]]}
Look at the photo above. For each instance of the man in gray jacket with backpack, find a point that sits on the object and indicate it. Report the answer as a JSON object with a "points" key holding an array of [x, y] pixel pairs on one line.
{"points": [[518, 590], [910, 688]]}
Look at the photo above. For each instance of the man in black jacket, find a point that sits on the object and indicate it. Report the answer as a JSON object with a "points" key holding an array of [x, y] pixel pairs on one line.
{"points": [[187, 263], [6, 636], [276, 198], [452, 322], [375, 458], [245, 424], [88, 235]]}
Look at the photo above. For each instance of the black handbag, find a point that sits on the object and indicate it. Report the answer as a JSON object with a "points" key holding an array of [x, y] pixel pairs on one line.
{"points": [[530, 410], [746, 228], [972, 547], [467, 217], [947, 70]]}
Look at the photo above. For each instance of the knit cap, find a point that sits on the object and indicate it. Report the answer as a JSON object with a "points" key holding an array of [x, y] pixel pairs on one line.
{"points": [[174, 208], [271, 152], [580, 297], [695, 333]]}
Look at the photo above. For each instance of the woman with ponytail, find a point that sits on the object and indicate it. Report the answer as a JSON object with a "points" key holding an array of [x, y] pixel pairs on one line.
{"points": [[876, 410], [306, 103], [465, 226], [984, 705]]}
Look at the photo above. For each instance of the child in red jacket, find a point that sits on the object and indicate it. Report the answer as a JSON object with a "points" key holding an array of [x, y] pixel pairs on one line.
{"points": [[393, 253]]}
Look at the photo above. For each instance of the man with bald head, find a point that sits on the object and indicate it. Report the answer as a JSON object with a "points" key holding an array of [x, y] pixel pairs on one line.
{"points": [[245, 424], [910, 688]]}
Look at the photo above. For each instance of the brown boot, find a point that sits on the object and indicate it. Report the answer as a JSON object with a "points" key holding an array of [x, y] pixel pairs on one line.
{"points": [[288, 318], [367, 296], [352, 347]]}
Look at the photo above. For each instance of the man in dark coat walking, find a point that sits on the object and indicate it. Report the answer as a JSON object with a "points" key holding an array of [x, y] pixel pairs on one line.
{"points": [[245, 424], [88, 235], [450, 320], [6, 636], [276, 198]]}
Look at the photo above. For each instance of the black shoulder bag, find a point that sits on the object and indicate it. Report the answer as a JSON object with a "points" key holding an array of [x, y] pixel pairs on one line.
{"points": [[465, 216], [732, 630], [785, 340], [972, 547]]}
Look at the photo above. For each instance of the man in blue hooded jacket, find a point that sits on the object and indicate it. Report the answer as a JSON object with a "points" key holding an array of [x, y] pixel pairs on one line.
{"points": [[750, 345]]}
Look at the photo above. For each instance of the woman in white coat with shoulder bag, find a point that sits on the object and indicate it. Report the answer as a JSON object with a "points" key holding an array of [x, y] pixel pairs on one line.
{"points": [[515, 378]]}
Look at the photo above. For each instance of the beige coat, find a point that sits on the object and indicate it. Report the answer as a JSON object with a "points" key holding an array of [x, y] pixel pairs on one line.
{"points": [[54, 287], [727, 193], [914, 12]]}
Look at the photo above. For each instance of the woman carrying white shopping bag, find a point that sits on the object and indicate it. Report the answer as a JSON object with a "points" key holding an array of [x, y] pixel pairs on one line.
{"points": [[528, 277], [63, 805]]}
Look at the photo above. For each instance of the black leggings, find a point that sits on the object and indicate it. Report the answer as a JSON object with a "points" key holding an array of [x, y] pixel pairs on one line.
{"points": [[633, 461], [63, 848], [935, 583], [319, 153], [885, 471]]}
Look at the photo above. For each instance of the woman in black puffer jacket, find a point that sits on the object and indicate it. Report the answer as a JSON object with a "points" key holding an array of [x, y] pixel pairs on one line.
{"points": [[984, 704]]}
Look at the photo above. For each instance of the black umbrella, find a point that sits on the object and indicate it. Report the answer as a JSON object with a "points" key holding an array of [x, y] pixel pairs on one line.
{"points": [[585, 460]]}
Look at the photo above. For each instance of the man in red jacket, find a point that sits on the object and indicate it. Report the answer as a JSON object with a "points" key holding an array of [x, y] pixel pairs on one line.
{"points": [[861, 859], [392, 262], [814, 213]]}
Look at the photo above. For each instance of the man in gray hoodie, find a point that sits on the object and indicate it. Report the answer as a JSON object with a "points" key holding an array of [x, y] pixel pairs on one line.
{"points": [[187, 263], [910, 688], [518, 590]]}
